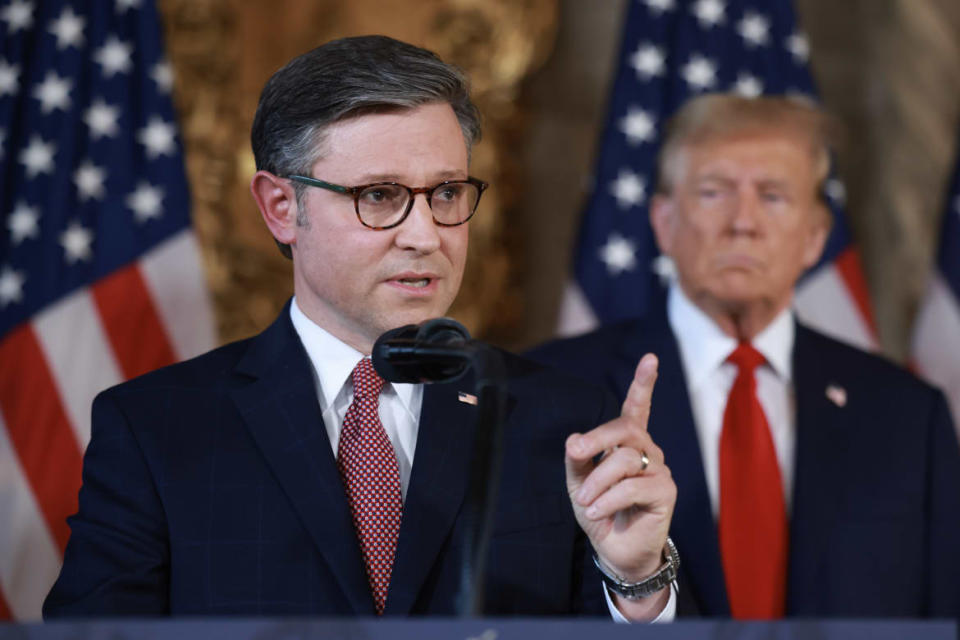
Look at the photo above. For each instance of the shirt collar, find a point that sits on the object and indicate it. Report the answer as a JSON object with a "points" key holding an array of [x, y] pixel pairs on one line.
{"points": [[334, 360], [704, 346], [775, 342]]}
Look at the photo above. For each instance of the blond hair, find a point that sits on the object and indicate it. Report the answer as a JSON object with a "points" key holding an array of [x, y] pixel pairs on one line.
{"points": [[710, 117]]}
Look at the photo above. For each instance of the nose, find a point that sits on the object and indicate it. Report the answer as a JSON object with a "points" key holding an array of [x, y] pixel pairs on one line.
{"points": [[745, 215], [418, 232]]}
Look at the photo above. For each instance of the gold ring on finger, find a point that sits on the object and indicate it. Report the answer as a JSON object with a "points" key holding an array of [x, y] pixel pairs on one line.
{"points": [[644, 461]]}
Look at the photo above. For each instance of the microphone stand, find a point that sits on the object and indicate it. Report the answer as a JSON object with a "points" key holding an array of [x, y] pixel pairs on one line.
{"points": [[441, 350], [484, 480]]}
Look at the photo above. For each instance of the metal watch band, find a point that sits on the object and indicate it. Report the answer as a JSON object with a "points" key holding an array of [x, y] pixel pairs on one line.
{"points": [[663, 576]]}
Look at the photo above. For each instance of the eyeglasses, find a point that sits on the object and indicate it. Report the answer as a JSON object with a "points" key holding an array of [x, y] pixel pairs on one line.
{"points": [[384, 205]]}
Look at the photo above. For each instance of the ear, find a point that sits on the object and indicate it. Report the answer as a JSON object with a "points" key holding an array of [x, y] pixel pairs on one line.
{"points": [[661, 219], [277, 202], [817, 235]]}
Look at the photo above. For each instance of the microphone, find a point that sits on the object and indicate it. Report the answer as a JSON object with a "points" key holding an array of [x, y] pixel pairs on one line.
{"points": [[438, 350]]}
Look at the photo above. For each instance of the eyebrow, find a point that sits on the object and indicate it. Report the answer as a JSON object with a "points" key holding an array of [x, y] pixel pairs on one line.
{"points": [[775, 183], [713, 177], [442, 176], [764, 183]]}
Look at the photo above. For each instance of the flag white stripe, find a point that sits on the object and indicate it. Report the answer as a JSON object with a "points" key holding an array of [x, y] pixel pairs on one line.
{"points": [[824, 302], [174, 278], [79, 355], [30, 561], [936, 342], [576, 316]]}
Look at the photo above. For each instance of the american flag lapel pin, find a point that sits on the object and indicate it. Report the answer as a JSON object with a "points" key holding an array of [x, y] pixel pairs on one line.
{"points": [[467, 398], [837, 395]]}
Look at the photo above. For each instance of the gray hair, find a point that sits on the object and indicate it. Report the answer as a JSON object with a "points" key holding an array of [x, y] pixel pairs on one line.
{"points": [[342, 79], [710, 117]]}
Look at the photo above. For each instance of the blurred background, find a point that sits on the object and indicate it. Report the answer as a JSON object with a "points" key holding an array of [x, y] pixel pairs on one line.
{"points": [[541, 73]]}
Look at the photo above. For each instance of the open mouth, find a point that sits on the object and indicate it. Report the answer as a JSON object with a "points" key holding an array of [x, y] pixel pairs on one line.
{"points": [[417, 283]]}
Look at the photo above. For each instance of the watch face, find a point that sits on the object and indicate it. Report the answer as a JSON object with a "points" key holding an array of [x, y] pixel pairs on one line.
{"points": [[666, 574]]}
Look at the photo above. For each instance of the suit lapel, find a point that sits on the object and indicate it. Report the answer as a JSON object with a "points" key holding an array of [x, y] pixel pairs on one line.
{"points": [[282, 414], [820, 451], [672, 428], [438, 483]]}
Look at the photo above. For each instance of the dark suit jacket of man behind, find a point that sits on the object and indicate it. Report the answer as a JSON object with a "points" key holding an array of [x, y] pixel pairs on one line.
{"points": [[875, 526], [210, 487]]}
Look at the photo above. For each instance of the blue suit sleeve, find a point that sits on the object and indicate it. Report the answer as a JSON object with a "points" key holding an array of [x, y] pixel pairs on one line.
{"points": [[117, 559]]}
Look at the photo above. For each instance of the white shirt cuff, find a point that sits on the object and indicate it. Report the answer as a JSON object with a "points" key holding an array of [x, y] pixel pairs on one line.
{"points": [[668, 614]]}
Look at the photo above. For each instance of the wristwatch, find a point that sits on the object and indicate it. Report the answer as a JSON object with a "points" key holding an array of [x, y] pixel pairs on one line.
{"points": [[662, 577]]}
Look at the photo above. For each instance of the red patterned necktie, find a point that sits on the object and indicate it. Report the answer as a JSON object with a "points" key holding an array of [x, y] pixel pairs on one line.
{"points": [[371, 478], [753, 518]]}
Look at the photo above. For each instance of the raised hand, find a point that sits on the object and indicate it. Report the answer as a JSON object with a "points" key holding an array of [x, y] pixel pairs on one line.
{"points": [[621, 490]]}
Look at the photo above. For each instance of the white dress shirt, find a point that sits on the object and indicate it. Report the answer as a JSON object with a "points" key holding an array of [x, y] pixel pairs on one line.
{"points": [[704, 348], [333, 361]]}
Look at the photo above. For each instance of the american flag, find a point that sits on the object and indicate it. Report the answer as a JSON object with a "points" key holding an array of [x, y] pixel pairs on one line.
{"points": [[672, 50], [936, 343], [100, 277]]}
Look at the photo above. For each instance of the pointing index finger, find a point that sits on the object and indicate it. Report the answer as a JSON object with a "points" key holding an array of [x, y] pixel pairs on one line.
{"points": [[636, 406]]}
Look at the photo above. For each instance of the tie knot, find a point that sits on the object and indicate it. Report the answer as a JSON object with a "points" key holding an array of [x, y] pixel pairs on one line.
{"points": [[746, 357], [367, 383]]}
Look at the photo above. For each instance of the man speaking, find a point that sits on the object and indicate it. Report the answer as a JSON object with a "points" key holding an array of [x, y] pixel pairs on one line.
{"points": [[281, 475], [813, 479]]}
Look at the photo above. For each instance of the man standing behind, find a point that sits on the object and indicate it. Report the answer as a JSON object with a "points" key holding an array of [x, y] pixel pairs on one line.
{"points": [[813, 479], [281, 475]]}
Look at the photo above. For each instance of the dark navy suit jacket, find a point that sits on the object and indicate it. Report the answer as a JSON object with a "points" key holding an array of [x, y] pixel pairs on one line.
{"points": [[875, 527], [210, 487]]}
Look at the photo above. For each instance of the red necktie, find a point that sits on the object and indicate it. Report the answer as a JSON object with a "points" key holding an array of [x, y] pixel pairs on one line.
{"points": [[371, 478], [753, 519]]}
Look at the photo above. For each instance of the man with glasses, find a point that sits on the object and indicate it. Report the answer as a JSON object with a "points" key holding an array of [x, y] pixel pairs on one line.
{"points": [[282, 476]]}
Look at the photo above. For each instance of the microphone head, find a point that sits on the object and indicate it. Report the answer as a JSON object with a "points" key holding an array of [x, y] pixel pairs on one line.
{"points": [[432, 351], [442, 331]]}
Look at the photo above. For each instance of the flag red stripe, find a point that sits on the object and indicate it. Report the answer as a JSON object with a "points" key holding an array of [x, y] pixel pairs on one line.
{"points": [[132, 324], [5, 613], [4, 608], [848, 266], [39, 429]]}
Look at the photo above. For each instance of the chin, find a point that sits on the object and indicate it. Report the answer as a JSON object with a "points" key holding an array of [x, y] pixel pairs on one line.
{"points": [[738, 285], [735, 298], [411, 317]]}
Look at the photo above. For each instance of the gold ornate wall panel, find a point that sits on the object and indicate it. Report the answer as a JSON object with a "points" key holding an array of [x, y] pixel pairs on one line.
{"points": [[223, 51]]}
